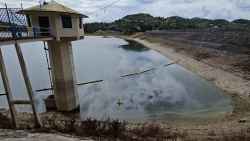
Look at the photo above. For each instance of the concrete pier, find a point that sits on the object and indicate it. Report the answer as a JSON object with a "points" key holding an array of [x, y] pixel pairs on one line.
{"points": [[63, 74]]}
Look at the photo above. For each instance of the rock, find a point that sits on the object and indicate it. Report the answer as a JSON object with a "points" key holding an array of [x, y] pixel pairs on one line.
{"points": [[53, 131], [24, 134], [67, 135], [19, 131], [242, 121], [10, 133]]}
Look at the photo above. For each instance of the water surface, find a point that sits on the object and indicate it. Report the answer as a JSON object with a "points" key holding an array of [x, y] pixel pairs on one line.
{"points": [[170, 94]]}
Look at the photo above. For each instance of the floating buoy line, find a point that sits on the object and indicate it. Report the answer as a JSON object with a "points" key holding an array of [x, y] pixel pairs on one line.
{"points": [[123, 76]]}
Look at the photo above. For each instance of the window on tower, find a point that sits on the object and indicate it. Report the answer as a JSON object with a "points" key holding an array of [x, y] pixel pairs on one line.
{"points": [[80, 22], [66, 21]]}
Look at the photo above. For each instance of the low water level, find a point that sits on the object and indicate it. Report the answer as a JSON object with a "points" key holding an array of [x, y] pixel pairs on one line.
{"points": [[169, 94]]}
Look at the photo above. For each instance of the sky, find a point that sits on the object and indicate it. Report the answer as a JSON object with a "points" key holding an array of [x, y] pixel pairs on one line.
{"points": [[211, 9]]}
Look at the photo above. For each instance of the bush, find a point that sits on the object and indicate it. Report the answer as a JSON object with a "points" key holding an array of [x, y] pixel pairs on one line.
{"points": [[5, 123], [103, 128]]}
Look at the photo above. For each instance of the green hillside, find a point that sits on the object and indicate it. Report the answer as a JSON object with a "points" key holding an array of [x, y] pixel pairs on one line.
{"points": [[142, 22]]}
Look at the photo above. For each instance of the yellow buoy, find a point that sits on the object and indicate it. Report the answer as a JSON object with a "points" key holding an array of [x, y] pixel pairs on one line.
{"points": [[119, 102]]}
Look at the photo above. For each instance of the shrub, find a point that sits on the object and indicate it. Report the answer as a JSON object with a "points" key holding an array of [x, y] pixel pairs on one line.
{"points": [[6, 123]]}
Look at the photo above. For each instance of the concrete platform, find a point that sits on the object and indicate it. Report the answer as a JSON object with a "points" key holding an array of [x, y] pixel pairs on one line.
{"points": [[9, 41]]}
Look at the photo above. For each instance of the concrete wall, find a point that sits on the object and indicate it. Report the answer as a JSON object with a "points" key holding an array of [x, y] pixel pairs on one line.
{"points": [[55, 22], [63, 74]]}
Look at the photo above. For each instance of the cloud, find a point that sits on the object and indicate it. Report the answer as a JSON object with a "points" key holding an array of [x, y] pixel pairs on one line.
{"points": [[212, 9], [224, 14], [205, 11], [147, 1], [243, 5]]}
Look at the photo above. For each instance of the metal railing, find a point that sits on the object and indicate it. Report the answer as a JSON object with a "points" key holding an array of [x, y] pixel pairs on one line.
{"points": [[13, 24], [23, 31]]}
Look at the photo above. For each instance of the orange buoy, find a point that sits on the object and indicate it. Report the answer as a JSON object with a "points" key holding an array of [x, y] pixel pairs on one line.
{"points": [[119, 102]]}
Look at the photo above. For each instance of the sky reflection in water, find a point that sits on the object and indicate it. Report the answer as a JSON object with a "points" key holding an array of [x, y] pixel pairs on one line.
{"points": [[167, 94]]}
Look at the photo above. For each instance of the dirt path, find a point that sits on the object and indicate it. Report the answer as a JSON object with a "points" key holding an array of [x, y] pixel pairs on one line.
{"points": [[25, 135]]}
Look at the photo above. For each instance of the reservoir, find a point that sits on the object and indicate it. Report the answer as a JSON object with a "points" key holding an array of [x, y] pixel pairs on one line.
{"points": [[169, 94]]}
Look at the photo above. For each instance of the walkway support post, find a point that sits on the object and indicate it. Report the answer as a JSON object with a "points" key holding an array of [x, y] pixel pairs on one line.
{"points": [[6, 84], [13, 30], [35, 31], [38, 122], [19, 32], [63, 74], [49, 30]]}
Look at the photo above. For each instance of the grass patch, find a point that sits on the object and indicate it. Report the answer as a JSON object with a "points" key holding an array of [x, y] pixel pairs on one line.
{"points": [[86, 128], [136, 35], [153, 40], [109, 129], [156, 39], [116, 34]]}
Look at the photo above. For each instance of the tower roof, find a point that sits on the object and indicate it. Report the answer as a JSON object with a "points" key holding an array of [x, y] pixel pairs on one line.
{"points": [[54, 6]]}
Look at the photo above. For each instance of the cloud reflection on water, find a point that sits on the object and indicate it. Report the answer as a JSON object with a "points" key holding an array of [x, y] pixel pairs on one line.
{"points": [[167, 94]]}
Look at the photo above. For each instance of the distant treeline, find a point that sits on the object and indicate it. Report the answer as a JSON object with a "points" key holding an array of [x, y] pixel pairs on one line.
{"points": [[142, 22]]}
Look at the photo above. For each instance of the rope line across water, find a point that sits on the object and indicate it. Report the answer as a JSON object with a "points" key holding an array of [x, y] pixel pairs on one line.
{"points": [[96, 81]]}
